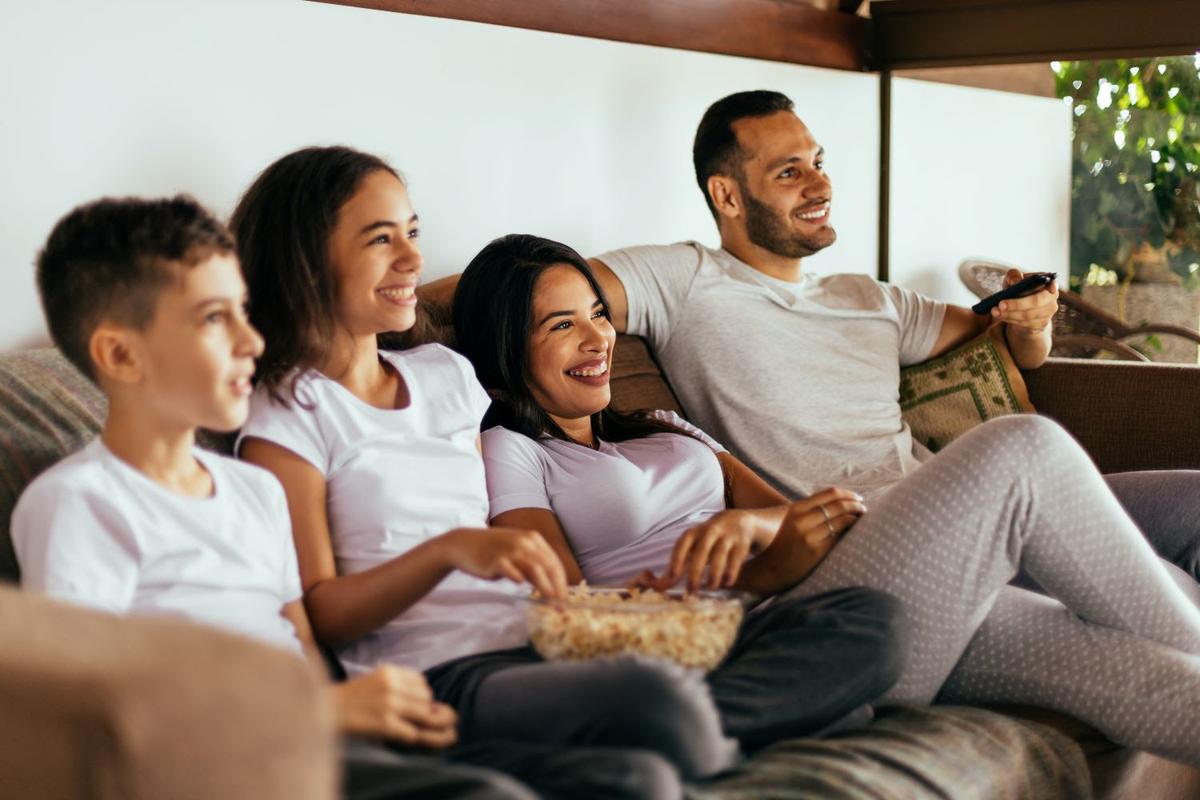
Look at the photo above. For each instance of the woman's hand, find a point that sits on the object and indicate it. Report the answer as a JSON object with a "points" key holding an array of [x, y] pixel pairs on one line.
{"points": [[804, 538], [520, 555], [718, 546], [394, 703], [825, 515]]}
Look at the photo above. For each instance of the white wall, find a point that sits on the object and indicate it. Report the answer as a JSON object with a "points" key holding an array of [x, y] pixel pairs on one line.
{"points": [[498, 130], [976, 173]]}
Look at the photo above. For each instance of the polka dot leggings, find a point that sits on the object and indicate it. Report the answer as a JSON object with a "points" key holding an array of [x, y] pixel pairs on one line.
{"points": [[1118, 644]]}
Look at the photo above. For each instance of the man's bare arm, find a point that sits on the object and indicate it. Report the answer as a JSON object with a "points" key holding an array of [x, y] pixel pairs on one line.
{"points": [[1027, 324], [614, 291], [439, 293]]}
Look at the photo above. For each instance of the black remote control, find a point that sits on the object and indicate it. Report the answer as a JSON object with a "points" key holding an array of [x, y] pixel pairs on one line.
{"points": [[1026, 286]]}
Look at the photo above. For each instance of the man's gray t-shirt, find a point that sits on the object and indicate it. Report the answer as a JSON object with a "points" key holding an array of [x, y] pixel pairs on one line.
{"points": [[800, 380]]}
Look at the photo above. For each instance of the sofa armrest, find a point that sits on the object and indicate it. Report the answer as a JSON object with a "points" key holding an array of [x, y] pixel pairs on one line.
{"points": [[98, 706], [1128, 415]]}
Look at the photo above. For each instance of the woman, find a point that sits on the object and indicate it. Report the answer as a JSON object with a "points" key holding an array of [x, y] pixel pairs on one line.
{"points": [[618, 495], [378, 455]]}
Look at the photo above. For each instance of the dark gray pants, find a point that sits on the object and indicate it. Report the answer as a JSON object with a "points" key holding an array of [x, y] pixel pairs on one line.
{"points": [[800, 667], [505, 770], [1165, 504], [371, 771]]}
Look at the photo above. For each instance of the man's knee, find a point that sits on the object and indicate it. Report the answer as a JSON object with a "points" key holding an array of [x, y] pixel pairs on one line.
{"points": [[1033, 430]]}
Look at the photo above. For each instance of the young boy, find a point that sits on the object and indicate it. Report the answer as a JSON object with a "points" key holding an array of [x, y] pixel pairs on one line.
{"points": [[146, 298]]}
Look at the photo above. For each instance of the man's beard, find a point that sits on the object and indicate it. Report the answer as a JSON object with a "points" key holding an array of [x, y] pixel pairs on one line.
{"points": [[771, 231]]}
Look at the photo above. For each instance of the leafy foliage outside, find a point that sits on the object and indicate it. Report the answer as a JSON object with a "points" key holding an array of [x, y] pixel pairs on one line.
{"points": [[1135, 183]]}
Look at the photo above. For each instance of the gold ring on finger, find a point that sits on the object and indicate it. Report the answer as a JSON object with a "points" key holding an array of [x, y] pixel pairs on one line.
{"points": [[828, 520]]}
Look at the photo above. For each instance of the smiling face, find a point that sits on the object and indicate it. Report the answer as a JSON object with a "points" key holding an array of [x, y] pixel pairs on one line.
{"points": [[376, 263], [785, 192], [570, 347], [191, 366]]}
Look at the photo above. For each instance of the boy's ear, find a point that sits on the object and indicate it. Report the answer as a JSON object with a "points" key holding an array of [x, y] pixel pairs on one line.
{"points": [[114, 354], [725, 195]]}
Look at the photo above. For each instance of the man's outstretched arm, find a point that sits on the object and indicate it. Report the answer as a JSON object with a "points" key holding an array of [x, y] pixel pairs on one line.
{"points": [[1026, 324], [614, 292], [440, 293]]}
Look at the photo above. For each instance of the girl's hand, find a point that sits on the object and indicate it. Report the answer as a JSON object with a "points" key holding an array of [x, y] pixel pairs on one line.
{"points": [[719, 546], [394, 703], [520, 555]]}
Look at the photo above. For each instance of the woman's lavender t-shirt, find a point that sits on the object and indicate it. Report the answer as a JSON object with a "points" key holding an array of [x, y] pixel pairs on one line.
{"points": [[623, 505]]}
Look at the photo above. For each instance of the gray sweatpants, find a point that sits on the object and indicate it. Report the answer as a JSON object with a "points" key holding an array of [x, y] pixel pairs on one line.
{"points": [[1116, 647]]}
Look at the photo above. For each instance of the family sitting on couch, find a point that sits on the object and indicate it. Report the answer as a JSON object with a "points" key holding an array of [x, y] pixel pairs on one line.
{"points": [[395, 504]]}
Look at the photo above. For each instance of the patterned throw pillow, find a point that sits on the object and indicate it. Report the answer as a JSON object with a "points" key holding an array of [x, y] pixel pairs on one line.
{"points": [[944, 397]]}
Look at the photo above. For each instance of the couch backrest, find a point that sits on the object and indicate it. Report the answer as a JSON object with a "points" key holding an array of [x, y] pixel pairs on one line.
{"points": [[47, 411]]}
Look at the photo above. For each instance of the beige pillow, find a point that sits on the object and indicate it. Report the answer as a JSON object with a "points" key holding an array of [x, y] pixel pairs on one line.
{"points": [[944, 397]]}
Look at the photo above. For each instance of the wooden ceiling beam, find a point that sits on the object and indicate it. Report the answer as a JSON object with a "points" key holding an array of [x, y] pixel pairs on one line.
{"points": [[947, 33], [776, 30]]}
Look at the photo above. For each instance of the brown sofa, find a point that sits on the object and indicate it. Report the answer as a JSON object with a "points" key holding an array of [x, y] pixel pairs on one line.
{"points": [[94, 710], [99, 707], [1128, 416]]}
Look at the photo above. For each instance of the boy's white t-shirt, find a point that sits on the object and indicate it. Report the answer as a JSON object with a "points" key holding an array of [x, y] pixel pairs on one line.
{"points": [[623, 505], [94, 531], [396, 478]]}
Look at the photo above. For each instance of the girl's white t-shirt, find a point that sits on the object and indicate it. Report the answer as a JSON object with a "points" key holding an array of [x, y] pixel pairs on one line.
{"points": [[622, 506], [396, 478]]}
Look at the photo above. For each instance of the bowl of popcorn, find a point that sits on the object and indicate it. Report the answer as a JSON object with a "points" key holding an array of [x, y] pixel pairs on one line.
{"points": [[692, 629]]}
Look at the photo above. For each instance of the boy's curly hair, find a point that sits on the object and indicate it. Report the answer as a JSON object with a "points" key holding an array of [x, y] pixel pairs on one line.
{"points": [[109, 259]]}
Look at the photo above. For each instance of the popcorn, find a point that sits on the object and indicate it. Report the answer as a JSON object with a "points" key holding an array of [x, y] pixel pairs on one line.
{"points": [[692, 630]]}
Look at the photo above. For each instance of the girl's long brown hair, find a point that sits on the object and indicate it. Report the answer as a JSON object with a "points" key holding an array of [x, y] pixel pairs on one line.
{"points": [[282, 225]]}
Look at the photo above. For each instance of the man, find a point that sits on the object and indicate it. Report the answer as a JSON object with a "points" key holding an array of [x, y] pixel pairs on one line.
{"points": [[797, 374]]}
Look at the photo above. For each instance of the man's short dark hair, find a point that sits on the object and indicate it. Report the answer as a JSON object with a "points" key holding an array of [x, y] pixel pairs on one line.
{"points": [[107, 261], [715, 150]]}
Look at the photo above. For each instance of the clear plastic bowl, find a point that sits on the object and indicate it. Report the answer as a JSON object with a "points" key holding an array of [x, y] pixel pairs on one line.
{"points": [[693, 630]]}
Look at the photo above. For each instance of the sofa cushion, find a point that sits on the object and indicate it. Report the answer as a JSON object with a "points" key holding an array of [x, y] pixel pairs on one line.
{"points": [[99, 706], [940, 753], [945, 397], [48, 410]]}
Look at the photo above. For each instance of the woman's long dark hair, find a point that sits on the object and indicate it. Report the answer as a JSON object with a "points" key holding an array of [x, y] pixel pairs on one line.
{"points": [[282, 225], [493, 320]]}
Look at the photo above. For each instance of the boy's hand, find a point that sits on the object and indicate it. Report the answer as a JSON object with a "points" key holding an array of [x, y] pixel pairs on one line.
{"points": [[395, 703], [522, 556]]}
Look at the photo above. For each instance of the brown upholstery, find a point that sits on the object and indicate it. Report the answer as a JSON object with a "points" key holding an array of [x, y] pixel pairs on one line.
{"points": [[108, 708], [1127, 415]]}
